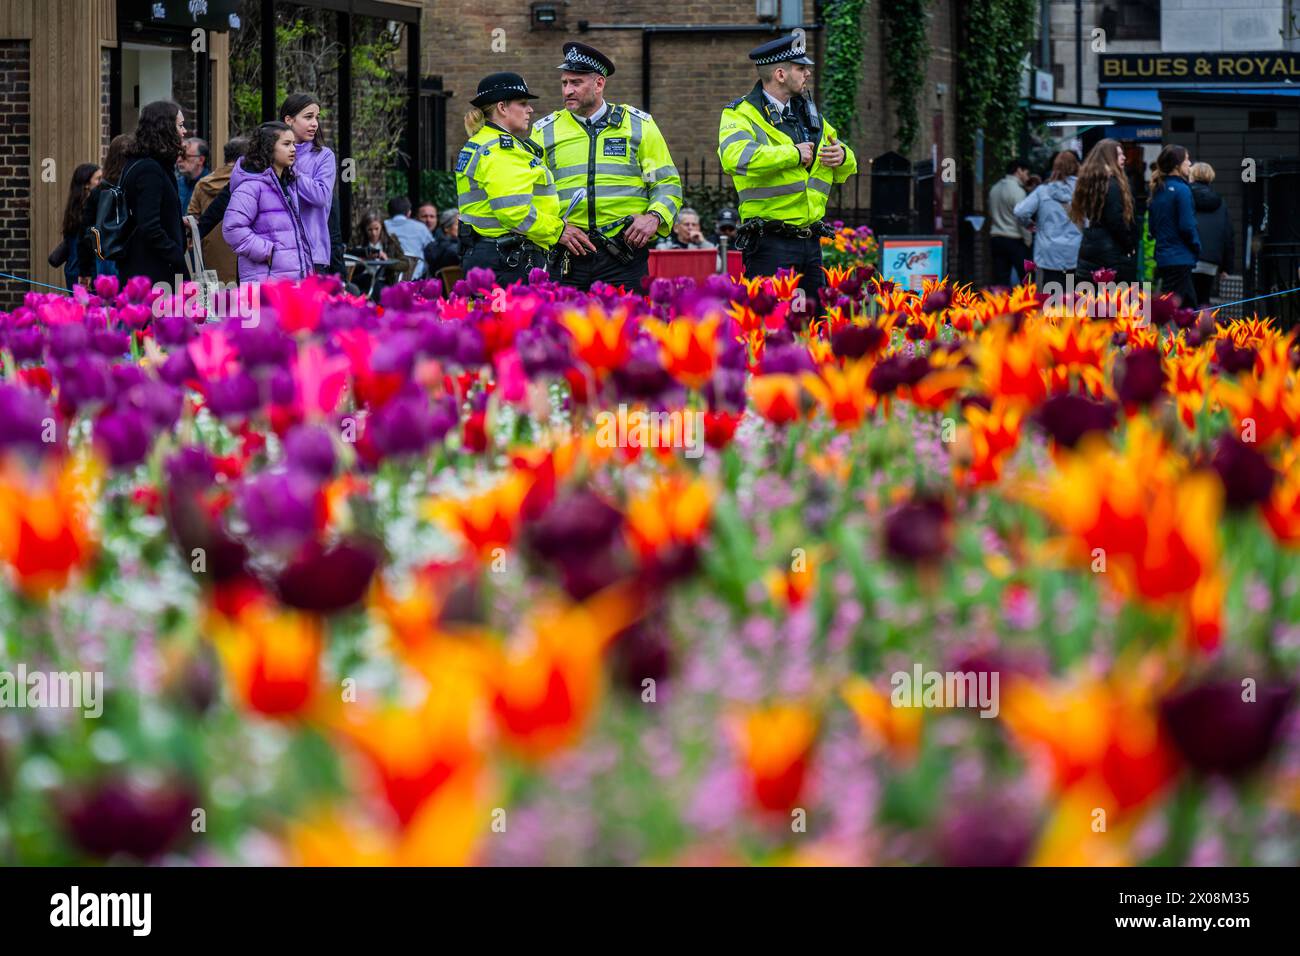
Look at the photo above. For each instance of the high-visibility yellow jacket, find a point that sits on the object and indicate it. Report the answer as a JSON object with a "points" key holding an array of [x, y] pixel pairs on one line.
{"points": [[764, 162], [625, 166], [503, 186]]}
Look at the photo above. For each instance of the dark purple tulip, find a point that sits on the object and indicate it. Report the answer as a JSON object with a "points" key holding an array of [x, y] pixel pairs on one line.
{"points": [[123, 437], [280, 388], [68, 340], [191, 469], [480, 281], [854, 341], [1068, 417], [1163, 309], [309, 448], [470, 347], [936, 301], [261, 345], [403, 426], [172, 330], [788, 360], [130, 817], [641, 376], [327, 580], [916, 531], [1141, 379], [24, 415], [27, 344], [127, 377], [280, 506], [643, 651], [178, 368], [233, 396], [1217, 732], [395, 353], [726, 390], [1247, 474], [984, 833], [438, 339], [1231, 359], [83, 380], [577, 525], [159, 402]]}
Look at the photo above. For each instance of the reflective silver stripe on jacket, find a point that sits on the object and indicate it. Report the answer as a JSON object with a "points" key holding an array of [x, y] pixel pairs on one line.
{"points": [[505, 202], [746, 154], [480, 221], [821, 185], [771, 192], [528, 219]]}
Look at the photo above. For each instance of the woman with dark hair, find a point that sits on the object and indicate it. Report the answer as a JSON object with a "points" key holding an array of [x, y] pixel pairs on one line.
{"points": [[156, 247], [262, 223], [1056, 238], [73, 250], [375, 243], [1103, 208], [1173, 224], [114, 163], [314, 172]]}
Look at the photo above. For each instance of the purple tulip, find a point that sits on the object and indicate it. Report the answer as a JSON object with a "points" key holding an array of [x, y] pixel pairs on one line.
{"points": [[310, 449], [123, 438], [280, 507], [233, 396], [24, 417]]}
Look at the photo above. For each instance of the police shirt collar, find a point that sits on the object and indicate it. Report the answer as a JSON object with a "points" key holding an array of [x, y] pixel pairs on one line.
{"points": [[594, 118]]}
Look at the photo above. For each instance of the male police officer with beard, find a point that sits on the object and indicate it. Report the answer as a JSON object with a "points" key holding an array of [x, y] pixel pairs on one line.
{"points": [[618, 155], [784, 158]]}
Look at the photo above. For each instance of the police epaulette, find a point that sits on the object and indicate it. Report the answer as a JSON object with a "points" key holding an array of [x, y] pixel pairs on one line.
{"points": [[546, 120], [507, 141], [636, 112], [736, 102]]}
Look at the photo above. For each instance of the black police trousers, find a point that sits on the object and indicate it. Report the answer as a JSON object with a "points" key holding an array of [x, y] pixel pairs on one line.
{"points": [[507, 267], [600, 266], [770, 253]]}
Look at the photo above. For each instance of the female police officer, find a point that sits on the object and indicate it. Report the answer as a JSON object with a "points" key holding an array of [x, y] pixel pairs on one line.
{"points": [[509, 211]]}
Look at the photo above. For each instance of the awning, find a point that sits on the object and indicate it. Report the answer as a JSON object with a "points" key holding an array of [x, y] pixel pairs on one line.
{"points": [[1087, 114]]}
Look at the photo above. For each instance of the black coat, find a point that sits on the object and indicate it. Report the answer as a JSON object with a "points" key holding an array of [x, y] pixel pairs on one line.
{"points": [[157, 245], [1109, 242], [1214, 226]]}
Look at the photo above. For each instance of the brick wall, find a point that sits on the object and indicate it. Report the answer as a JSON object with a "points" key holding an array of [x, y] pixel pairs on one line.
{"points": [[105, 94], [15, 167], [692, 75]]}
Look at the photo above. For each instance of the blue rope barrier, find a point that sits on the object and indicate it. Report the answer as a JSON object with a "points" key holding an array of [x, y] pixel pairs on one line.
{"points": [[56, 288], [1268, 295]]}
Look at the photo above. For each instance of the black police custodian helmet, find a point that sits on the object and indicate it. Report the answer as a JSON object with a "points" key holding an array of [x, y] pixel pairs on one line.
{"points": [[789, 49], [580, 58], [496, 87]]}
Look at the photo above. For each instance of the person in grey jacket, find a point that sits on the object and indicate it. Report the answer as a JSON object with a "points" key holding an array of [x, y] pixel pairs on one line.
{"points": [[1009, 241], [1215, 228], [1056, 238]]}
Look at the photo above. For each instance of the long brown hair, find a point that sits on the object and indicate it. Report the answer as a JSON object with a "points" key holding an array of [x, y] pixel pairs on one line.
{"points": [[78, 189], [115, 158], [1094, 180]]}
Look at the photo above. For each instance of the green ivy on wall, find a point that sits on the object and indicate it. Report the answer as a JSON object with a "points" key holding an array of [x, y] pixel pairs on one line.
{"points": [[907, 52], [839, 80], [999, 34]]}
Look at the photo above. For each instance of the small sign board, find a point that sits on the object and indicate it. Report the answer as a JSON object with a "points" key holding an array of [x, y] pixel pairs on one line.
{"points": [[910, 260]]}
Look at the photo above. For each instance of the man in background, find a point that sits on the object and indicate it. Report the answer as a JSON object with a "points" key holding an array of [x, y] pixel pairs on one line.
{"points": [[428, 215], [444, 250], [191, 167], [686, 233], [1010, 240], [411, 234]]}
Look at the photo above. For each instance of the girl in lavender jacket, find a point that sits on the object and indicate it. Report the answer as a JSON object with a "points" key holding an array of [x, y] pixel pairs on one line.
{"points": [[262, 223], [314, 171]]}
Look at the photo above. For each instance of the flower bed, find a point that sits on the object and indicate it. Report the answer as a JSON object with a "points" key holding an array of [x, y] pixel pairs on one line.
{"points": [[532, 576]]}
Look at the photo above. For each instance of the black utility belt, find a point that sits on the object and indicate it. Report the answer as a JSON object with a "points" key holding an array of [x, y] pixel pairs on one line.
{"points": [[510, 242], [774, 227]]}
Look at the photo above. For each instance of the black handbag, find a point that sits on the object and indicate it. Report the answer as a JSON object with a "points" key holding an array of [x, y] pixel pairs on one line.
{"points": [[60, 254]]}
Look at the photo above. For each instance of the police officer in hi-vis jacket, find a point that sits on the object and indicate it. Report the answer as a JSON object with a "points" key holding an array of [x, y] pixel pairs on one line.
{"points": [[509, 212], [784, 158], [617, 154]]}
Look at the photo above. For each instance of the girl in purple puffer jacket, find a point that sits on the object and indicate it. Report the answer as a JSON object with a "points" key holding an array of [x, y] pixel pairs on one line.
{"points": [[314, 172], [263, 224]]}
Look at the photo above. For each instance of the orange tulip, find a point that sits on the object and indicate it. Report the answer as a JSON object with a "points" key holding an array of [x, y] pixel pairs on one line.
{"points": [[776, 397], [688, 348], [672, 513], [994, 436], [271, 654], [600, 340], [775, 744], [842, 393], [896, 729], [486, 521], [544, 685], [45, 532]]}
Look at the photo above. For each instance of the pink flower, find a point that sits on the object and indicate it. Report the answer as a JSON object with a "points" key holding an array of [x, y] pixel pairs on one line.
{"points": [[213, 356], [321, 380], [298, 305], [511, 381]]}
